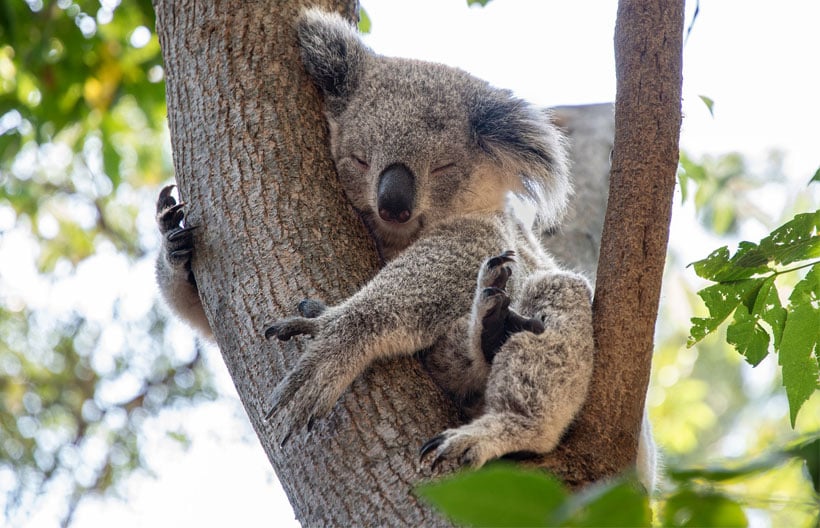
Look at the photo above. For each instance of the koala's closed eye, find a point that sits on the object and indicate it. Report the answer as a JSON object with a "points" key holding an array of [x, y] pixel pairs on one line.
{"points": [[442, 168], [359, 162]]}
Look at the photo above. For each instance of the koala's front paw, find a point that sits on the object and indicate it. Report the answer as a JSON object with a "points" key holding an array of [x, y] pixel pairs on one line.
{"points": [[460, 446], [178, 240]]}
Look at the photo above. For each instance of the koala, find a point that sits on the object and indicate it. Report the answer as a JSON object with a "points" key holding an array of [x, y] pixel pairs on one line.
{"points": [[433, 159], [429, 156]]}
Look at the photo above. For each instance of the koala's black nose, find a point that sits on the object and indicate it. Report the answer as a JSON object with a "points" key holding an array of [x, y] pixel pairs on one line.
{"points": [[396, 194]]}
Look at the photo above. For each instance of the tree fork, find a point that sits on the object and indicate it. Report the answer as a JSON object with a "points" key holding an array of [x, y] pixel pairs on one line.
{"points": [[252, 161]]}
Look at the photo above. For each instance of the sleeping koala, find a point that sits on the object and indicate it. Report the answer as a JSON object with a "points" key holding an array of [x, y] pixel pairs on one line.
{"points": [[430, 157]]}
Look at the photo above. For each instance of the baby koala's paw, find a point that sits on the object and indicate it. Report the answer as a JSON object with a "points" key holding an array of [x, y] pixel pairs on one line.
{"points": [[494, 319]]}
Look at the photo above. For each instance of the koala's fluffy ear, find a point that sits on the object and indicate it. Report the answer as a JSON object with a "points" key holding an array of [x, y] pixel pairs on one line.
{"points": [[523, 140], [333, 55]]}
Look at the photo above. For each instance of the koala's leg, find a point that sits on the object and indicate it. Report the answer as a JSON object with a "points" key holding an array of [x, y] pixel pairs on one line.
{"points": [[457, 369], [537, 383], [173, 267]]}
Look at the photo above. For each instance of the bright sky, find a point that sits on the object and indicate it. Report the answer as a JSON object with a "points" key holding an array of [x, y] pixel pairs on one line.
{"points": [[758, 60]]}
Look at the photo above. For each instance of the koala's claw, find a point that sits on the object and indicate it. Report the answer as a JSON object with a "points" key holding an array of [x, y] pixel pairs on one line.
{"points": [[290, 327], [430, 445], [165, 199], [301, 399], [311, 308], [453, 445], [180, 234], [497, 270]]}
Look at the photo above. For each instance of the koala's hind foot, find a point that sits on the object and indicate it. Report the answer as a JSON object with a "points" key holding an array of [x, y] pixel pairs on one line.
{"points": [[494, 322], [480, 441], [178, 240]]}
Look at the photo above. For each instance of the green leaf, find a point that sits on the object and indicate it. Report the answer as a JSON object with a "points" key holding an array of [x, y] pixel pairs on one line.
{"points": [[481, 3], [615, 504], [364, 22], [689, 508], [722, 299], [748, 337], [815, 178], [710, 104], [729, 470], [767, 306], [498, 495], [795, 240], [808, 289], [720, 267], [809, 451], [800, 370]]}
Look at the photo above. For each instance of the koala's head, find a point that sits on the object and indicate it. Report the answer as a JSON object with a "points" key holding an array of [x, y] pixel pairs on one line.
{"points": [[416, 142]]}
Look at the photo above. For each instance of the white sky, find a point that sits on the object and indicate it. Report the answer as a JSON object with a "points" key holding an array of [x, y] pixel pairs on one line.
{"points": [[758, 60]]}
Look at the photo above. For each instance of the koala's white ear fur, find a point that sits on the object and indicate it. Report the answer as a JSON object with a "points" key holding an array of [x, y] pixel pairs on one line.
{"points": [[522, 140], [333, 55]]}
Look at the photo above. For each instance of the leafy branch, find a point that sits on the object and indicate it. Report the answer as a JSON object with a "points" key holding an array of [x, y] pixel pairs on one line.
{"points": [[745, 289]]}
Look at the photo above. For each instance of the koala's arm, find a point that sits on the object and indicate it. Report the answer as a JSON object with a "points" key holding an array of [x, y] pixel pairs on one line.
{"points": [[409, 305], [173, 266]]}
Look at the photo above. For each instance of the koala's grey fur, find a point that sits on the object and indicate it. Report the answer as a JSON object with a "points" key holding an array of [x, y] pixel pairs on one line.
{"points": [[456, 149]]}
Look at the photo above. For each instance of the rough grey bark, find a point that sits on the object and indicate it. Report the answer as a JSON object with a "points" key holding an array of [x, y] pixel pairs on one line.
{"points": [[251, 161]]}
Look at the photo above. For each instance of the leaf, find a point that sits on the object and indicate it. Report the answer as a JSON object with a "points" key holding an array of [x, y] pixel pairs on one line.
{"points": [[800, 370], [795, 240], [710, 104], [364, 22], [815, 178], [767, 306], [721, 300], [618, 503], [809, 451], [720, 267], [808, 289], [481, 3], [748, 337], [499, 495], [728, 470], [689, 508]]}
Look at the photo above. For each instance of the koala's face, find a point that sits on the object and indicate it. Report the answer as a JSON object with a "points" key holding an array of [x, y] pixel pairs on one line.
{"points": [[416, 143], [403, 148]]}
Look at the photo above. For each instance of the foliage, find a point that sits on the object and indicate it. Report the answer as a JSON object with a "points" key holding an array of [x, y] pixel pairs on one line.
{"points": [[745, 286], [503, 495], [83, 146]]}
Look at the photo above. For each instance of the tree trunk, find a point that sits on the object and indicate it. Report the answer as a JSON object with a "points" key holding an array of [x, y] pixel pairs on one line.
{"points": [[648, 57], [252, 162]]}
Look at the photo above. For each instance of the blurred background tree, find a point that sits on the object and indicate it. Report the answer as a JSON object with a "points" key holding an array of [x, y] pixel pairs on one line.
{"points": [[87, 356]]}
